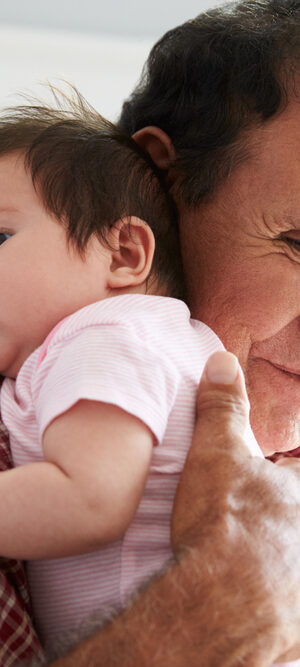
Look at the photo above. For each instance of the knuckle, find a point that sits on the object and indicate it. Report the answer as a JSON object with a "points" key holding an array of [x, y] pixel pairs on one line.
{"points": [[222, 402]]}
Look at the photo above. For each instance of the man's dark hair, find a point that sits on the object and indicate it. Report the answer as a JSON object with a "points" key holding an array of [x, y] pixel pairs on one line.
{"points": [[209, 81], [89, 174]]}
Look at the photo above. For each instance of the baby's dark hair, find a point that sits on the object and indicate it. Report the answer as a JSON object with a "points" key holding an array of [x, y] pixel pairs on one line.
{"points": [[89, 174]]}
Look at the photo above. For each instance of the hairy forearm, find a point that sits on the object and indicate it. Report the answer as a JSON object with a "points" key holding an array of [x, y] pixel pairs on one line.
{"points": [[192, 615], [156, 629]]}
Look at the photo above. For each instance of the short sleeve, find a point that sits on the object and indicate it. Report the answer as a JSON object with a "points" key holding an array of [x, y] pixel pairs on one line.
{"points": [[110, 364]]}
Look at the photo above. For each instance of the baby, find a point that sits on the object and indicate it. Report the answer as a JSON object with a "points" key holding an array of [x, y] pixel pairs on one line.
{"points": [[101, 359]]}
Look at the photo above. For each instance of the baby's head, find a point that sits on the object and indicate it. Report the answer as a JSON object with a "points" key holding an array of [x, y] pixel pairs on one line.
{"points": [[80, 205]]}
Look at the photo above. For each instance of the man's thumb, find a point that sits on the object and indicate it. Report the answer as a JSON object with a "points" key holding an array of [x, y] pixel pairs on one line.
{"points": [[222, 368], [218, 447], [222, 403]]}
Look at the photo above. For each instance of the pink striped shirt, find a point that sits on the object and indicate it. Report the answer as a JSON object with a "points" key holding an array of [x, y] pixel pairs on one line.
{"points": [[145, 355]]}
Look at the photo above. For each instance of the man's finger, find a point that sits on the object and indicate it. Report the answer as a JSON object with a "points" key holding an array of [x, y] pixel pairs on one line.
{"points": [[223, 408], [218, 445]]}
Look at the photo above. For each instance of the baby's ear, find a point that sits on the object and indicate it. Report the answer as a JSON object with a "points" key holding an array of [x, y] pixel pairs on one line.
{"points": [[132, 248]]}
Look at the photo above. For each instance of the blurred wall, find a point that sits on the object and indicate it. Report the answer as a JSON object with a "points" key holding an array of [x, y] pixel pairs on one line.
{"points": [[98, 46], [120, 17], [104, 68]]}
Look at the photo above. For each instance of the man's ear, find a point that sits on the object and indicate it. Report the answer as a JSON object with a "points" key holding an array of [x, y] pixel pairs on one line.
{"points": [[158, 144], [132, 249]]}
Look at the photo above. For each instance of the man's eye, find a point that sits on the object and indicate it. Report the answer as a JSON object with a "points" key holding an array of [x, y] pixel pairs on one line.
{"points": [[293, 243], [4, 237]]}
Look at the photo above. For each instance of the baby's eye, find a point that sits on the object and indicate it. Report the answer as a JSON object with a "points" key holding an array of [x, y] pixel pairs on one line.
{"points": [[4, 237]]}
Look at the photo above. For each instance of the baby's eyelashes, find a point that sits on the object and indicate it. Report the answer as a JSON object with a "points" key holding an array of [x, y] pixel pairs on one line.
{"points": [[4, 237]]}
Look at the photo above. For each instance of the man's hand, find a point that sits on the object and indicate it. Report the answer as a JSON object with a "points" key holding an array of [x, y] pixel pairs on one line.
{"points": [[240, 515]]}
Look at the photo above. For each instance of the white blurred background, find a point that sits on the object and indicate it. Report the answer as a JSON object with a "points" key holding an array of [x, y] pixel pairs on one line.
{"points": [[100, 46]]}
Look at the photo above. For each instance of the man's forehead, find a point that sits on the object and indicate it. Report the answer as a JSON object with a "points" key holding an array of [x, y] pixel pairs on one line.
{"points": [[277, 130], [273, 158]]}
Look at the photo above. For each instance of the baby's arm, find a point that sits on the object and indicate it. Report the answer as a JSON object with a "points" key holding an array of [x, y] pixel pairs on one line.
{"points": [[85, 493]]}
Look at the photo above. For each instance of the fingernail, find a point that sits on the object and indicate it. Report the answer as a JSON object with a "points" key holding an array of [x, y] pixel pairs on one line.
{"points": [[222, 368]]}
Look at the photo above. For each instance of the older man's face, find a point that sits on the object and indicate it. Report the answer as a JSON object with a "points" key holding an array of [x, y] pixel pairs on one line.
{"points": [[242, 259]]}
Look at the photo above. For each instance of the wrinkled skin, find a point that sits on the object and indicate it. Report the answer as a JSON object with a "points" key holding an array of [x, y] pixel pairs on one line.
{"points": [[242, 258], [241, 254], [243, 514]]}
